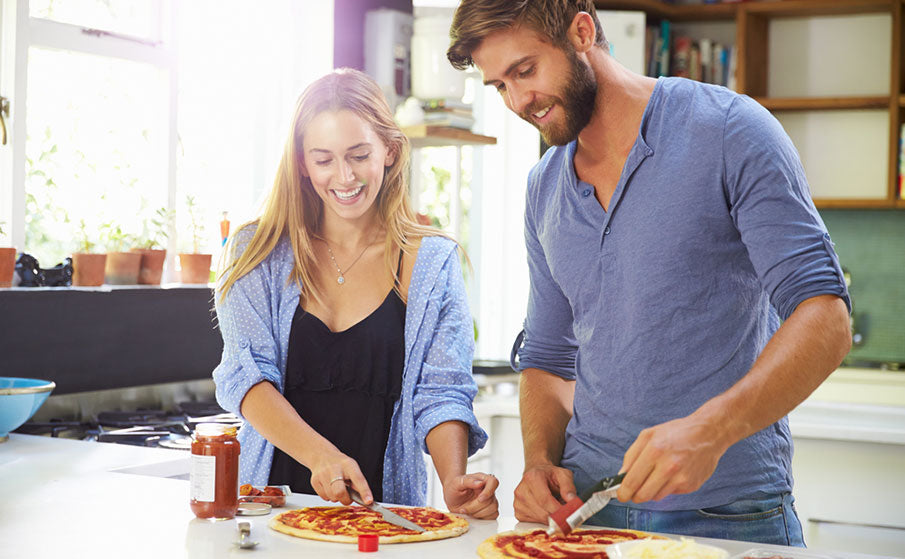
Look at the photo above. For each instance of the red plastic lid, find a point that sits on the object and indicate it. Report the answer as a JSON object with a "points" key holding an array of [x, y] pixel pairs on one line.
{"points": [[368, 542]]}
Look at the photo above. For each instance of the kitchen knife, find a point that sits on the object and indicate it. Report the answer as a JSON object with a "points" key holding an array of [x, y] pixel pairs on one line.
{"points": [[387, 515], [573, 514]]}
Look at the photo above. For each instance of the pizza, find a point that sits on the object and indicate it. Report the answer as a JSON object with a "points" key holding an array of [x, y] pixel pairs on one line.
{"points": [[345, 524], [586, 544]]}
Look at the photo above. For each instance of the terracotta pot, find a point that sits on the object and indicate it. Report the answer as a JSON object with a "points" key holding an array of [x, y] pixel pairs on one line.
{"points": [[122, 268], [7, 266], [151, 268], [196, 268], [88, 269]]}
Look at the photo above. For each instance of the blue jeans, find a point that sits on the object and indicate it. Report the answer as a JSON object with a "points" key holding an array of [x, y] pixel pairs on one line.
{"points": [[771, 520]]}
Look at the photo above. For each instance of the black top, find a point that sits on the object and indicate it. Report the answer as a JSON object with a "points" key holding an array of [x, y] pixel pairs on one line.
{"points": [[344, 385]]}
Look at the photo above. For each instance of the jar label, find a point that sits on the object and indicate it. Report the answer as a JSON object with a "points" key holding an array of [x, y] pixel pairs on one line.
{"points": [[203, 477]]}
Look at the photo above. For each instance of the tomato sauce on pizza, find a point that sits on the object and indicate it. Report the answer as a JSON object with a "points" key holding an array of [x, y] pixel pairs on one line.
{"points": [[347, 523], [580, 544]]}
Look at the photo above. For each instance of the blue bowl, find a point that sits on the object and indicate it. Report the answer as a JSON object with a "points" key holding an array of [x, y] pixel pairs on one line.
{"points": [[20, 398]]}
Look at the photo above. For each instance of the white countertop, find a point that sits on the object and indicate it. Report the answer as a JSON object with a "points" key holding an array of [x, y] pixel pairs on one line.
{"points": [[73, 499]]}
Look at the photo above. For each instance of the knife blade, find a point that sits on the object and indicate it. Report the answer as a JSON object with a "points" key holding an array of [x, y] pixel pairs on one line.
{"points": [[573, 514], [387, 514]]}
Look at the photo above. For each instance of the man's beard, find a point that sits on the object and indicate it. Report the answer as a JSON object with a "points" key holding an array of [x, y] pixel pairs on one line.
{"points": [[577, 101]]}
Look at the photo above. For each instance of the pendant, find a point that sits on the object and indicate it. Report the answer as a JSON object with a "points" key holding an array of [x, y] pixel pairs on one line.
{"points": [[340, 280]]}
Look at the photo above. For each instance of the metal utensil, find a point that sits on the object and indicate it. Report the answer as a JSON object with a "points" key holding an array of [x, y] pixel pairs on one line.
{"points": [[244, 535], [573, 514], [387, 515]]}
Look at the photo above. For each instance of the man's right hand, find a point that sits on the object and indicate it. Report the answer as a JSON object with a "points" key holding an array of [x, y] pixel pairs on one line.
{"points": [[542, 491]]}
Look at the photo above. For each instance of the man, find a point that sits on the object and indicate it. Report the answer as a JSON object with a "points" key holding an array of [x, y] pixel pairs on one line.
{"points": [[652, 343]]}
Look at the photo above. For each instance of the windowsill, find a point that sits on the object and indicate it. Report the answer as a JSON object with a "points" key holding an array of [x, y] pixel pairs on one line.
{"points": [[108, 287]]}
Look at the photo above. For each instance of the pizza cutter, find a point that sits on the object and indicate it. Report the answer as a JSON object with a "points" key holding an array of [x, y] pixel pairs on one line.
{"points": [[387, 514], [573, 514]]}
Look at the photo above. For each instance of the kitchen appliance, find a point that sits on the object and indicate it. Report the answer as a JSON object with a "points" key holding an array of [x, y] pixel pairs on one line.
{"points": [[387, 45], [141, 427], [433, 77]]}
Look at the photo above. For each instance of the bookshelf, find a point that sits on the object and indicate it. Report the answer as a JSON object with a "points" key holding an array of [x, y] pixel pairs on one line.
{"points": [[752, 21]]}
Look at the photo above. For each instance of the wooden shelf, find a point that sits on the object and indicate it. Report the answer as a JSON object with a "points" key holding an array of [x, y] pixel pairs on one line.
{"points": [[684, 12], [810, 8], [423, 136], [851, 203], [752, 38], [822, 103], [768, 8]]}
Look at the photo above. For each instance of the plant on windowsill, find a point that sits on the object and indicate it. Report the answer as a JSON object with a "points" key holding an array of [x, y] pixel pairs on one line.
{"points": [[87, 266], [196, 266], [122, 265], [7, 261], [152, 246]]}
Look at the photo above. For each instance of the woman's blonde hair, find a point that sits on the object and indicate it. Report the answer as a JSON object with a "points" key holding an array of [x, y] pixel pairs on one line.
{"points": [[293, 209]]}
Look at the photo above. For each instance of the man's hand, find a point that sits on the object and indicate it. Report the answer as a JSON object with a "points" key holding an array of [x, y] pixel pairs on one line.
{"points": [[542, 491], [472, 494], [674, 457]]}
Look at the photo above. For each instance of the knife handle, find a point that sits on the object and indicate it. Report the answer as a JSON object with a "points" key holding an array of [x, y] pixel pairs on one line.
{"points": [[601, 485]]}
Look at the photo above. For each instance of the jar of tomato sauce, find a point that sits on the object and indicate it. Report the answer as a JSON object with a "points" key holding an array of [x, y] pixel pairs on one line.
{"points": [[214, 471]]}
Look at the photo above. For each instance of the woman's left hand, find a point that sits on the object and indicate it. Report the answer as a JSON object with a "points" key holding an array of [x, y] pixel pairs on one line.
{"points": [[472, 494]]}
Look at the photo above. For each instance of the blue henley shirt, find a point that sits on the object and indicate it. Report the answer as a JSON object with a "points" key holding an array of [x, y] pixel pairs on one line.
{"points": [[666, 300]]}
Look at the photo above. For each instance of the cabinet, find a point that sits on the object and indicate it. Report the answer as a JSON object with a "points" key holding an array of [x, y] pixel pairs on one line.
{"points": [[835, 128]]}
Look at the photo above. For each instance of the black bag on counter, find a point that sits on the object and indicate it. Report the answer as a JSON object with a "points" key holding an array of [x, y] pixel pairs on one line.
{"points": [[32, 275]]}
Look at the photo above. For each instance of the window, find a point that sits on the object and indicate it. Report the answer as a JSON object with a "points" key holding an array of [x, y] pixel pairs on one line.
{"points": [[122, 108]]}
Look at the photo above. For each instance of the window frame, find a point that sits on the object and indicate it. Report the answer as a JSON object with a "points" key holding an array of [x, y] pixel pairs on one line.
{"points": [[18, 33]]}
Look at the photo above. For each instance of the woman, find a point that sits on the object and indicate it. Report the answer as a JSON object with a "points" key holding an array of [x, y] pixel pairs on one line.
{"points": [[347, 335]]}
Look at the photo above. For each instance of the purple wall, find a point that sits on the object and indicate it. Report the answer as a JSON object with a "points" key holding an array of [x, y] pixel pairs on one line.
{"points": [[349, 28]]}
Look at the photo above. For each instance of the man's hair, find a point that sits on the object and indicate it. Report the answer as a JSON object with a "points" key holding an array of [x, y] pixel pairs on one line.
{"points": [[476, 19]]}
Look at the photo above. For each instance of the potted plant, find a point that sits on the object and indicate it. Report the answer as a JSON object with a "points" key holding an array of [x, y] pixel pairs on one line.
{"points": [[7, 262], [151, 246], [122, 266], [196, 266], [87, 267]]}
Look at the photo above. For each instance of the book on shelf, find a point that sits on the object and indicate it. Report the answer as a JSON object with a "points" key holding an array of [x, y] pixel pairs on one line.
{"points": [[706, 52], [900, 186], [681, 57], [454, 121], [447, 112], [704, 60], [665, 45]]}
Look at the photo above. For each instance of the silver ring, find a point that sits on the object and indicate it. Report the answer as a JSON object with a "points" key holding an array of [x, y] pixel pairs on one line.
{"points": [[336, 479]]}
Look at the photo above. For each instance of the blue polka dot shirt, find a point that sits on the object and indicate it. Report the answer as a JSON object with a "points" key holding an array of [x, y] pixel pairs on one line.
{"points": [[437, 384]]}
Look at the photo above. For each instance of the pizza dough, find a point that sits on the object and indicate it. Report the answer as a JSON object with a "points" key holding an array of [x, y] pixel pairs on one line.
{"points": [[345, 524], [587, 544]]}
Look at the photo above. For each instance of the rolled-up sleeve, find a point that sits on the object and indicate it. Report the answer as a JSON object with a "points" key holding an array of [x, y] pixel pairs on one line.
{"points": [[446, 388], [771, 206], [249, 349], [549, 343]]}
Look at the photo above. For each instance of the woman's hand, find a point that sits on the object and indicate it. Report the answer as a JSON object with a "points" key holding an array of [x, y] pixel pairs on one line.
{"points": [[472, 494], [330, 473]]}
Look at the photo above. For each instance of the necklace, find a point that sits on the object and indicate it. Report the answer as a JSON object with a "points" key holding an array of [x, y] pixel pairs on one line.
{"points": [[341, 279]]}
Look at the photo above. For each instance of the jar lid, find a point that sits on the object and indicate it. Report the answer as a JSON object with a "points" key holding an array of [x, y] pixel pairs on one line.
{"points": [[368, 542], [253, 509], [215, 429]]}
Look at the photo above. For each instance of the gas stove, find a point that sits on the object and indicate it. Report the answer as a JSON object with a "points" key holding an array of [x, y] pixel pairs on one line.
{"points": [[141, 427]]}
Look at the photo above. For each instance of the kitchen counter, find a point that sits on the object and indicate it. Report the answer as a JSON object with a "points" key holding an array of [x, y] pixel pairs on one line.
{"points": [[66, 498]]}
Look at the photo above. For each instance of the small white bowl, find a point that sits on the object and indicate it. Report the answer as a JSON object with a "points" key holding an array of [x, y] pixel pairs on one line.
{"points": [[684, 548]]}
